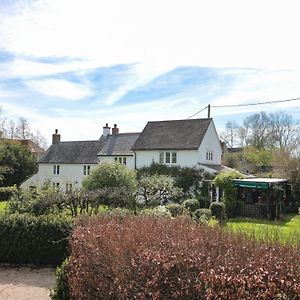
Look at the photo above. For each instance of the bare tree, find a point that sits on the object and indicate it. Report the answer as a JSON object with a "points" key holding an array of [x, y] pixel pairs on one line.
{"points": [[284, 131], [39, 139], [23, 129], [11, 129]]}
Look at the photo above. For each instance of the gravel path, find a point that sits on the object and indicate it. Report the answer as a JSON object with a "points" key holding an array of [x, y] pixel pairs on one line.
{"points": [[25, 283]]}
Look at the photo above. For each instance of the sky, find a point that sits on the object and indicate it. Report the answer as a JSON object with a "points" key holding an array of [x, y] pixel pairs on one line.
{"points": [[76, 65]]}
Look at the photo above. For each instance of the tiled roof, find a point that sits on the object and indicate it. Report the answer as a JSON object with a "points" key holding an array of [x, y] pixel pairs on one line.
{"points": [[82, 152], [176, 134], [119, 144]]}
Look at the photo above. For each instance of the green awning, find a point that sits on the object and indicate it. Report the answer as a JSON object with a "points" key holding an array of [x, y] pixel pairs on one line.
{"points": [[251, 184]]}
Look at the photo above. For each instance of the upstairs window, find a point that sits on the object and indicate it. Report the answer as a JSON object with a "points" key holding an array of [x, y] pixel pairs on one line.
{"points": [[56, 169], [209, 155], [86, 170], [121, 159], [168, 157]]}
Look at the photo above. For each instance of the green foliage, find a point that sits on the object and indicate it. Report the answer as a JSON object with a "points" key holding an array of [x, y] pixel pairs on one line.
{"points": [[232, 203], [188, 179], [26, 239], [61, 289], [191, 205], [202, 215], [176, 209], [6, 192], [110, 175], [19, 162], [156, 190], [218, 210], [259, 157], [159, 212]]}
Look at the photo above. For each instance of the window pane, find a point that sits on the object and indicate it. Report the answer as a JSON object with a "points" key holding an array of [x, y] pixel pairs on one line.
{"points": [[120, 160], [84, 170], [161, 157], [54, 169], [174, 157], [124, 160], [57, 169], [168, 159], [116, 159], [88, 169]]}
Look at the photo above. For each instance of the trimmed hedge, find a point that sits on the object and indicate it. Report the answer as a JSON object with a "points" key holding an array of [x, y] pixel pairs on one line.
{"points": [[26, 239], [159, 258], [218, 210]]}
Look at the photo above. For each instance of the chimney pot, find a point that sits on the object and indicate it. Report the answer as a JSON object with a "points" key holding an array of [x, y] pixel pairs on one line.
{"points": [[115, 130], [55, 137], [106, 130]]}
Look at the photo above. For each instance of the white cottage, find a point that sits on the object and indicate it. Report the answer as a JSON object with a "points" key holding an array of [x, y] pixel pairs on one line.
{"points": [[186, 143]]}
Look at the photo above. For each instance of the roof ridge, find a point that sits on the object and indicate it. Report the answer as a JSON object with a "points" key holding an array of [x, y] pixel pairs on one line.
{"points": [[198, 119]]}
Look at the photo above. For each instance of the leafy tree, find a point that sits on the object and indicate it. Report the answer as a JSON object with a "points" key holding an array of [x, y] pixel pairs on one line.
{"points": [[108, 175], [230, 198], [157, 189], [259, 157], [18, 161]]}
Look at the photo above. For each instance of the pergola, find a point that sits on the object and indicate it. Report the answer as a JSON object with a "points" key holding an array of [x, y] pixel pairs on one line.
{"points": [[263, 197]]}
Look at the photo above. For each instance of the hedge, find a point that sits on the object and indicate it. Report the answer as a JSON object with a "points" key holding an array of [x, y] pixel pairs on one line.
{"points": [[26, 239], [6, 192], [159, 258]]}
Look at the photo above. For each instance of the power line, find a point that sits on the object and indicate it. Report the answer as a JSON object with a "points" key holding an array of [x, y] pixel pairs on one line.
{"points": [[258, 103], [249, 104], [198, 112]]}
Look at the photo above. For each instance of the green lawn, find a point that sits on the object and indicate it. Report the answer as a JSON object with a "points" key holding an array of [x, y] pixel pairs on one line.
{"points": [[3, 205], [283, 231]]}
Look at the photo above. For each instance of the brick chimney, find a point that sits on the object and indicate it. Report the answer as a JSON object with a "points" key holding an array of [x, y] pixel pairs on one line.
{"points": [[115, 130], [55, 137], [106, 130]]}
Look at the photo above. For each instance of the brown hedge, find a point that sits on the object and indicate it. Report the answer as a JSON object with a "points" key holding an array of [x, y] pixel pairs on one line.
{"points": [[152, 258]]}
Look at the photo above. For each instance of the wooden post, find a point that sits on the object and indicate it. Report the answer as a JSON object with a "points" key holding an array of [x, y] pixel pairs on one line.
{"points": [[208, 111]]}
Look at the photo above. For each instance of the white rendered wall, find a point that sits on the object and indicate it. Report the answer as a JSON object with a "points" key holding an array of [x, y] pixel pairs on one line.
{"points": [[68, 173], [187, 158], [210, 143]]}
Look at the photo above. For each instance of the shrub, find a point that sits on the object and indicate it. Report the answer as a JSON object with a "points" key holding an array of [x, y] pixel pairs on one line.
{"points": [[204, 201], [191, 205], [159, 212], [175, 209], [232, 202], [218, 210], [61, 289], [26, 239], [202, 215], [158, 258], [157, 190], [6, 192], [110, 175]]}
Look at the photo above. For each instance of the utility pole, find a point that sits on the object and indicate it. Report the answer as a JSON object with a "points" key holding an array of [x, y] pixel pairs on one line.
{"points": [[208, 110]]}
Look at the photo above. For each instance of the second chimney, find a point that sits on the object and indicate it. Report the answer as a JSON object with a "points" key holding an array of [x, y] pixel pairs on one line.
{"points": [[115, 130], [55, 137]]}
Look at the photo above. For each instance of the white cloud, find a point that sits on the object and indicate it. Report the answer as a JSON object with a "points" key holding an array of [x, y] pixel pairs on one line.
{"points": [[59, 88]]}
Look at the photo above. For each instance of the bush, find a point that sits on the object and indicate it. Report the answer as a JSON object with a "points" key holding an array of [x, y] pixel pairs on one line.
{"points": [[202, 215], [191, 205], [26, 239], [110, 175], [6, 192], [218, 210], [158, 258], [159, 212], [175, 209], [61, 289]]}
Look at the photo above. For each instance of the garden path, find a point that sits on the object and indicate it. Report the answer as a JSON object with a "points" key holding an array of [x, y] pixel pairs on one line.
{"points": [[26, 283]]}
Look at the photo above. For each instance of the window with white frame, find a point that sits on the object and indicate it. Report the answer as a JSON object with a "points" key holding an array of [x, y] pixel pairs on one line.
{"points": [[121, 159], [167, 157], [56, 169], [209, 155], [86, 170]]}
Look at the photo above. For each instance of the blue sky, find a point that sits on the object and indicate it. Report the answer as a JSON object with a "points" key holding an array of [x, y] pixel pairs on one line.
{"points": [[76, 65]]}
